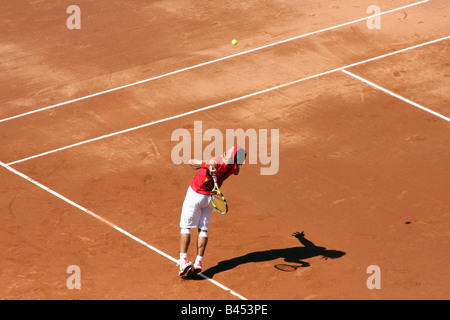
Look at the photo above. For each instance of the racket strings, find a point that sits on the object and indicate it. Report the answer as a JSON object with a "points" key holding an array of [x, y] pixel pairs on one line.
{"points": [[219, 203]]}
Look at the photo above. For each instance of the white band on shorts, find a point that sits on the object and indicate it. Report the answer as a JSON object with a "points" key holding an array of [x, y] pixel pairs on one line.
{"points": [[203, 234]]}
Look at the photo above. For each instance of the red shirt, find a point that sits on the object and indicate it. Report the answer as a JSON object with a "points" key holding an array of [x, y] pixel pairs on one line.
{"points": [[203, 183]]}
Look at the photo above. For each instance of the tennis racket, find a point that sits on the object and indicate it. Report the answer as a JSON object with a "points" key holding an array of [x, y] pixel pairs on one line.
{"points": [[218, 199], [287, 267]]}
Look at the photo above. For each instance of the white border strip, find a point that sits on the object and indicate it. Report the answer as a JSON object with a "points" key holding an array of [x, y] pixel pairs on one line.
{"points": [[226, 102], [396, 95], [210, 62], [96, 216]]}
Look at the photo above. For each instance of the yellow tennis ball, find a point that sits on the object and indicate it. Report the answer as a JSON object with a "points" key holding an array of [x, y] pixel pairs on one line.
{"points": [[234, 42]]}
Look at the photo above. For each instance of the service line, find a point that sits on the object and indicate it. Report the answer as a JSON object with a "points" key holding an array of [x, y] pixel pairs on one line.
{"points": [[396, 95], [109, 223], [228, 101], [210, 62]]}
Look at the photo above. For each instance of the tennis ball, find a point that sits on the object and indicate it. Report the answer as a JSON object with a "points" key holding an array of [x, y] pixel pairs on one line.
{"points": [[234, 42]]}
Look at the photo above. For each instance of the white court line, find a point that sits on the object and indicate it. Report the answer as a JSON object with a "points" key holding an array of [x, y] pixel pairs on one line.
{"points": [[226, 102], [211, 61], [96, 216], [396, 95]]}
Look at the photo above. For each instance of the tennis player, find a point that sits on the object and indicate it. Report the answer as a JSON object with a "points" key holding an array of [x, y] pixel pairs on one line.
{"points": [[197, 207]]}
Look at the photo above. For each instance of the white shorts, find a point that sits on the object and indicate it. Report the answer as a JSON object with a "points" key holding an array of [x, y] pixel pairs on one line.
{"points": [[197, 210]]}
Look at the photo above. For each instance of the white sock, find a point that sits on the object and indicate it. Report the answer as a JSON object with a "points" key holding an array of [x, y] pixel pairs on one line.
{"points": [[183, 256], [198, 259]]}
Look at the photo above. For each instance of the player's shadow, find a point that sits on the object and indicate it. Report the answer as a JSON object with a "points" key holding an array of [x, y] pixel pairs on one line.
{"points": [[291, 255]]}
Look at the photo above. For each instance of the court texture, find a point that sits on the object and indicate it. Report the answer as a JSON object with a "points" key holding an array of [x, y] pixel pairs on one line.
{"points": [[362, 106]]}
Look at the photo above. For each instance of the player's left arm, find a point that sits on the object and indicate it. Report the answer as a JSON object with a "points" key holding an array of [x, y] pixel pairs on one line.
{"points": [[210, 166], [195, 164]]}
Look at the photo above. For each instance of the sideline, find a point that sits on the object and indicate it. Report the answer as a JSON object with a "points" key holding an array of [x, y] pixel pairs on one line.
{"points": [[109, 223]]}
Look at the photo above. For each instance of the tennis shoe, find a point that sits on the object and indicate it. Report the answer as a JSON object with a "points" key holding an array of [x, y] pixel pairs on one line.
{"points": [[196, 269], [184, 266]]}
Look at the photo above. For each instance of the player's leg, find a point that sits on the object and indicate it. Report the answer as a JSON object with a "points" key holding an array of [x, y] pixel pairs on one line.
{"points": [[184, 263], [202, 239], [190, 215], [185, 240]]}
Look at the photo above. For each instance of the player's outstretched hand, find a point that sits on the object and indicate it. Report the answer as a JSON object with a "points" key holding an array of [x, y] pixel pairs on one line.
{"points": [[299, 235]]}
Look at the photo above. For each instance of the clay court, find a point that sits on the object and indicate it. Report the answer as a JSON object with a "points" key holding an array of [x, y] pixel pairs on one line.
{"points": [[87, 177]]}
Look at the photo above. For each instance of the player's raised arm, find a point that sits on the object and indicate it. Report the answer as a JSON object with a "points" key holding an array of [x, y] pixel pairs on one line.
{"points": [[195, 164], [211, 166]]}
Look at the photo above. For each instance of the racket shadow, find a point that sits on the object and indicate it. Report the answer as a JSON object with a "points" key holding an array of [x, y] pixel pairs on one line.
{"points": [[294, 255]]}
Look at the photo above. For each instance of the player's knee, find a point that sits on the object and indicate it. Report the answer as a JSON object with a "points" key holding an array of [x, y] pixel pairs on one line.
{"points": [[185, 231]]}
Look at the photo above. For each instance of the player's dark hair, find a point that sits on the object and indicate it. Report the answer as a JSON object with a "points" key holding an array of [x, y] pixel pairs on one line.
{"points": [[240, 156]]}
